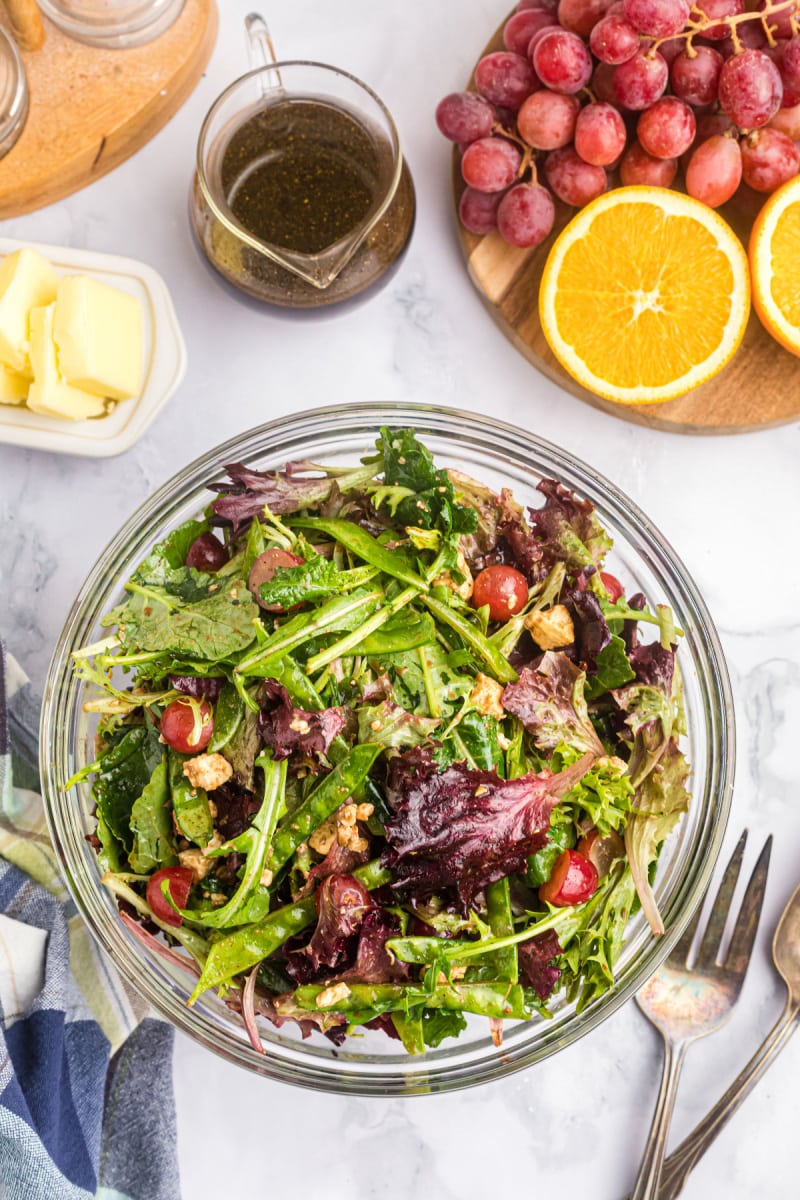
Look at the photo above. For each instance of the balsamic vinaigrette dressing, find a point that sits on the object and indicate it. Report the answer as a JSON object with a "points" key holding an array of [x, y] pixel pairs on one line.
{"points": [[302, 174]]}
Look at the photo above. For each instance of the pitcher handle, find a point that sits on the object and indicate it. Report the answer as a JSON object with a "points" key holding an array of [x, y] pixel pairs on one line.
{"points": [[261, 52]]}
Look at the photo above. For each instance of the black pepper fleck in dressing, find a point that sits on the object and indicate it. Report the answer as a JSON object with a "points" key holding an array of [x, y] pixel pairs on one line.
{"points": [[301, 174]]}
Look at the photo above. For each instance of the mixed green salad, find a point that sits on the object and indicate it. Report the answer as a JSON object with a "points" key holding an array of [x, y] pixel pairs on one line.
{"points": [[380, 747]]}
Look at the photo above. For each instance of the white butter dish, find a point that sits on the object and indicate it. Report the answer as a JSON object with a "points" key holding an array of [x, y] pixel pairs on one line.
{"points": [[164, 361]]}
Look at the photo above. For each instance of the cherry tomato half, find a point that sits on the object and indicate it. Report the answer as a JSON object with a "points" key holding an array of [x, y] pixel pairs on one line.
{"points": [[574, 879], [504, 589], [178, 726], [206, 553], [180, 882], [264, 568], [613, 586]]}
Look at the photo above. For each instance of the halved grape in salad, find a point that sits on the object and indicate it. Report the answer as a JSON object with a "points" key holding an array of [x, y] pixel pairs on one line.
{"points": [[379, 747]]}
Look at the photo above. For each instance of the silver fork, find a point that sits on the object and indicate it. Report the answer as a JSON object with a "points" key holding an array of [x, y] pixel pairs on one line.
{"points": [[688, 1002]]}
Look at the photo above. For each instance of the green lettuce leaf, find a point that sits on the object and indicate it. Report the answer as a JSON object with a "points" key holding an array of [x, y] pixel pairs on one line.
{"points": [[660, 801], [604, 795], [651, 716], [612, 669], [441, 1023], [387, 724]]}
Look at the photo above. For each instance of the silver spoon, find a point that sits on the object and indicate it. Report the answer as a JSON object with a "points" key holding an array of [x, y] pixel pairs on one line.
{"points": [[786, 956]]}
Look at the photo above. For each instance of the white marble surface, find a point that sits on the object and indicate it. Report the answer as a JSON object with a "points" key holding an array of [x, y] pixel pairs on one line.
{"points": [[575, 1125]]}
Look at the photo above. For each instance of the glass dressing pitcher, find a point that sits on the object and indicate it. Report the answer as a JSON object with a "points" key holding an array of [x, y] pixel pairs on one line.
{"points": [[301, 197]]}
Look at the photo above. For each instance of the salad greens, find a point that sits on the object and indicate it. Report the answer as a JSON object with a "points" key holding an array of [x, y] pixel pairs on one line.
{"points": [[377, 746]]}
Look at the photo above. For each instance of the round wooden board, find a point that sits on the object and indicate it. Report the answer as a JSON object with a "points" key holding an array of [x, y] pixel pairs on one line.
{"points": [[91, 109], [758, 388]]}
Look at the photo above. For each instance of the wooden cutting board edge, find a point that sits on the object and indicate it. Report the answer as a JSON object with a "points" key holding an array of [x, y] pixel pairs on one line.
{"points": [[91, 109]]}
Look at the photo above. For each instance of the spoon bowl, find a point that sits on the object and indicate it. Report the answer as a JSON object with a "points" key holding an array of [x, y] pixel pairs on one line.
{"points": [[786, 947]]}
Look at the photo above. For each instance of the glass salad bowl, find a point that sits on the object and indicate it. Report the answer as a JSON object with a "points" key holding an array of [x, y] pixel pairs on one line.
{"points": [[498, 455]]}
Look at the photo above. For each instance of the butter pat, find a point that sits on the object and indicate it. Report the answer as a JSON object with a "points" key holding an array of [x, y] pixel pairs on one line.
{"points": [[13, 386], [98, 332], [26, 281], [49, 394]]}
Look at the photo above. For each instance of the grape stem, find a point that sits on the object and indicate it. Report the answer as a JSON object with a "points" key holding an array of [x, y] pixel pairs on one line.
{"points": [[502, 131], [698, 23], [528, 162]]}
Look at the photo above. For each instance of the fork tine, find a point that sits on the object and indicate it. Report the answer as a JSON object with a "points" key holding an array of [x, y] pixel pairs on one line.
{"points": [[679, 956], [709, 947], [744, 932]]}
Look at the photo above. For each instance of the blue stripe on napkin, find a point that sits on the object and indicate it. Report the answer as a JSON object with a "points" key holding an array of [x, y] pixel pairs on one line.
{"points": [[86, 1101]]}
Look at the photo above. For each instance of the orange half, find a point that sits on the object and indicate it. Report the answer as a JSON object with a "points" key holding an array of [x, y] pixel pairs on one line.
{"points": [[775, 265], [645, 295]]}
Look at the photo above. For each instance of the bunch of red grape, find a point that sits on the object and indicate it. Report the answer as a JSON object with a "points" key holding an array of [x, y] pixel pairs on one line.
{"points": [[587, 87]]}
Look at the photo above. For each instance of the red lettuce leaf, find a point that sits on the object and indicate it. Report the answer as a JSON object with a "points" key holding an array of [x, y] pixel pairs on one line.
{"points": [[342, 905], [528, 554], [383, 1024], [630, 629], [199, 687], [549, 702], [463, 828], [284, 491], [285, 728], [591, 628], [339, 860], [236, 806], [565, 518], [374, 963], [564, 529], [654, 666], [535, 963]]}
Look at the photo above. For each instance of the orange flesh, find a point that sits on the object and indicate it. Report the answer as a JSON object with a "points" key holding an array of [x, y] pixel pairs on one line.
{"points": [[645, 297], [785, 249]]}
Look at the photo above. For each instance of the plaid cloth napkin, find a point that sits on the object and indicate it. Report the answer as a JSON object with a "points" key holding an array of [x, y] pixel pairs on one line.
{"points": [[86, 1100]]}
